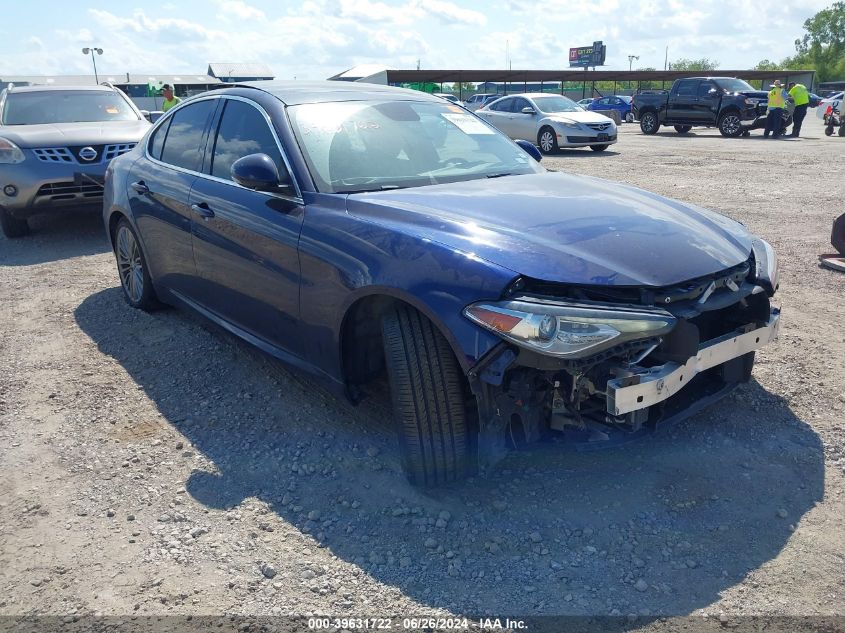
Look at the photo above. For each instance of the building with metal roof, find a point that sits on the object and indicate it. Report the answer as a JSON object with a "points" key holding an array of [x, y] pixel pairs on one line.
{"points": [[237, 72]]}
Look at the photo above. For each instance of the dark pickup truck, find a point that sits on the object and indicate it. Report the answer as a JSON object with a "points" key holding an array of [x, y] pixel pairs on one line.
{"points": [[730, 104]]}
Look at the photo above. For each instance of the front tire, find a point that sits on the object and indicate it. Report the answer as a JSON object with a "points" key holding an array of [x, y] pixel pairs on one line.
{"points": [[598, 148], [13, 227], [547, 141], [683, 129], [649, 123], [730, 125], [427, 390], [132, 268]]}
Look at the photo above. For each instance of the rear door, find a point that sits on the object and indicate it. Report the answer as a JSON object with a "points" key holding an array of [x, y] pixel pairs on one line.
{"points": [[246, 241], [159, 187], [683, 101]]}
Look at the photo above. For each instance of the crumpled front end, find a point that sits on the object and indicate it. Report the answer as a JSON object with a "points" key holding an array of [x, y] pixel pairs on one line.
{"points": [[600, 363]]}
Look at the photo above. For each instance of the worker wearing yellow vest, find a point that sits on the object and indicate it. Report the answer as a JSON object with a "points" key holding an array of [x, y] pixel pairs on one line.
{"points": [[801, 97], [169, 99], [777, 102]]}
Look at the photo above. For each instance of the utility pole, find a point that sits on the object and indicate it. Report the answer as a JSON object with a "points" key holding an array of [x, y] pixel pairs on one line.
{"points": [[666, 60]]}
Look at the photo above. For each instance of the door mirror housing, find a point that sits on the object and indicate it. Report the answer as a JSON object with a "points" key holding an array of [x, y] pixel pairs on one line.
{"points": [[259, 172], [713, 91], [528, 111], [146, 115], [531, 150]]}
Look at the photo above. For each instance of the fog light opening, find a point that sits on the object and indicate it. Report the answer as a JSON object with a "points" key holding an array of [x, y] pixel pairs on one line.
{"points": [[10, 190]]}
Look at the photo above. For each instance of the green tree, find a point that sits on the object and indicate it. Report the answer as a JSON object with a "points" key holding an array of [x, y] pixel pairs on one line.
{"points": [[694, 64], [823, 45]]}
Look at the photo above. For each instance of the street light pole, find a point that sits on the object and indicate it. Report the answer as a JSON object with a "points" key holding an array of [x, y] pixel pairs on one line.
{"points": [[99, 51], [631, 59]]}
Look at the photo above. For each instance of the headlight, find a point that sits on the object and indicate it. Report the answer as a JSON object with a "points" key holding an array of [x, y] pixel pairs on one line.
{"points": [[567, 331], [766, 271], [10, 154], [567, 123]]}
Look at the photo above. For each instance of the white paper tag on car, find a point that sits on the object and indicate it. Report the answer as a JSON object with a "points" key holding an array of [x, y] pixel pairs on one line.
{"points": [[466, 123]]}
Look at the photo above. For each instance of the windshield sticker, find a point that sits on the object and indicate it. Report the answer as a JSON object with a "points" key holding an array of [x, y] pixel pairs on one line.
{"points": [[467, 123], [112, 110]]}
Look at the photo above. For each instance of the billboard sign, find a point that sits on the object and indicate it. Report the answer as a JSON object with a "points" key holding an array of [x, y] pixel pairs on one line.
{"points": [[584, 56]]}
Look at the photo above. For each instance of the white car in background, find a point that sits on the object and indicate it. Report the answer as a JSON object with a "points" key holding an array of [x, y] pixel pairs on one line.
{"points": [[550, 121], [834, 100]]}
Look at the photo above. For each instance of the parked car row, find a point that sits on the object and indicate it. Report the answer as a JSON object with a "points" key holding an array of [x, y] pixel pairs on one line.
{"points": [[358, 232]]}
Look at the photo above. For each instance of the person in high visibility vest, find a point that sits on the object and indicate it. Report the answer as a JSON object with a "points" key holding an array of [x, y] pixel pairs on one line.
{"points": [[169, 99], [801, 97], [774, 118]]}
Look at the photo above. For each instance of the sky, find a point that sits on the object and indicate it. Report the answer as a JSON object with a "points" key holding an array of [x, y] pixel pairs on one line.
{"points": [[314, 39]]}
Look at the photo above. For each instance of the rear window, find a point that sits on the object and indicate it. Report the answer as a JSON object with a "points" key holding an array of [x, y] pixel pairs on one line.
{"points": [[65, 106]]}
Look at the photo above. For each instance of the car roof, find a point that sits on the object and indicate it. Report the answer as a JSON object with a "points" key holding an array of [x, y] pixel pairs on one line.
{"points": [[46, 88], [298, 92]]}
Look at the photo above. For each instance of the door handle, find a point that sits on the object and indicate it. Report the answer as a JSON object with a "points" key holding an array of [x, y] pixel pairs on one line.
{"points": [[203, 210], [141, 187]]}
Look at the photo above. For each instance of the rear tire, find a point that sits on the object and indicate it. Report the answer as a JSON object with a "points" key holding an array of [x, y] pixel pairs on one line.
{"points": [[13, 227], [427, 390], [649, 123], [547, 141], [598, 148], [132, 268], [683, 129]]}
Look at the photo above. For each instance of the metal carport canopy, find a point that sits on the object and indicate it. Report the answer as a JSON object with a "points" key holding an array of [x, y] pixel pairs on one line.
{"points": [[517, 76]]}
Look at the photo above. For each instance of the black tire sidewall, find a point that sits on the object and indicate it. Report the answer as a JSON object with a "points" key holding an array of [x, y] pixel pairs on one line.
{"points": [[11, 226], [555, 148], [148, 299]]}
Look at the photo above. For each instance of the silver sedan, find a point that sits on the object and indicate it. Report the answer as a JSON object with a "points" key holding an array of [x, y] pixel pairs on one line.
{"points": [[551, 121]]}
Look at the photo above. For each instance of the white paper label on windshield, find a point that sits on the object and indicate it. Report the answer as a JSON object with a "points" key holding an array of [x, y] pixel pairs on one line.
{"points": [[467, 123]]}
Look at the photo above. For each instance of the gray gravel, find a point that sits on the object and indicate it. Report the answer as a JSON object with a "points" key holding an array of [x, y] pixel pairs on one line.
{"points": [[150, 464]]}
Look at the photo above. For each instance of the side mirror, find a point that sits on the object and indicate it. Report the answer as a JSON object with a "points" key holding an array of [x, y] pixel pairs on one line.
{"points": [[712, 91], [146, 115], [531, 150], [528, 111], [258, 172]]}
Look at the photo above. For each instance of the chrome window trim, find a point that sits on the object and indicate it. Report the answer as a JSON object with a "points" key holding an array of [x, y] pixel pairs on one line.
{"points": [[170, 113]]}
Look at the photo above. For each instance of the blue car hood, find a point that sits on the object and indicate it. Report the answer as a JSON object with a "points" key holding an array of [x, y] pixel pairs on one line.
{"points": [[564, 228]]}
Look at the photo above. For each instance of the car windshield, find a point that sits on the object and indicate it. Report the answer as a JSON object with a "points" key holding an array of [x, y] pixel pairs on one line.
{"points": [[357, 146], [65, 106], [556, 103], [734, 85]]}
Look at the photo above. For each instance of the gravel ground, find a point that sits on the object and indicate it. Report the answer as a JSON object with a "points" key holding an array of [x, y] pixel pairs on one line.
{"points": [[153, 465]]}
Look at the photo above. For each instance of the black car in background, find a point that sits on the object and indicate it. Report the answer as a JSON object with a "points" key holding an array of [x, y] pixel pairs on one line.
{"points": [[730, 104]]}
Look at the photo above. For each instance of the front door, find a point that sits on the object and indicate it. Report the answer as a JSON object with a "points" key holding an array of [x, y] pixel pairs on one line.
{"points": [[245, 241], [159, 188], [683, 101], [523, 126]]}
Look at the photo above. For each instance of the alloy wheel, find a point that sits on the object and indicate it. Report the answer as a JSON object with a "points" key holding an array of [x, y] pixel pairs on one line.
{"points": [[731, 124], [129, 264]]}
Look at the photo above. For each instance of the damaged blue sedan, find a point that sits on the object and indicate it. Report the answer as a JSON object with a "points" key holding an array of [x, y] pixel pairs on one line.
{"points": [[356, 231]]}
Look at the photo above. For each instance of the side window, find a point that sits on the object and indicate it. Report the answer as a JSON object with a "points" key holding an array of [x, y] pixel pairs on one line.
{"points": [[704, 88], [502, 106], [519, 104], [183, 146], [243, 130], [157, 140], [687, 88]]}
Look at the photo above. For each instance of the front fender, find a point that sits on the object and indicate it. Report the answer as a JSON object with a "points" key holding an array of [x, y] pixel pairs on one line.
{"points": [[344, 259]]}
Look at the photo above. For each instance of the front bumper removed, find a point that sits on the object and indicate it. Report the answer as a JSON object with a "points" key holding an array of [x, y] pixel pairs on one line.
{"points": [[653, 385]]}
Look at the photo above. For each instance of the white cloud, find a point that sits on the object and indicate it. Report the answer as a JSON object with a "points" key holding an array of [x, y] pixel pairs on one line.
{"points": [[240, 10], [450, 13]]}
